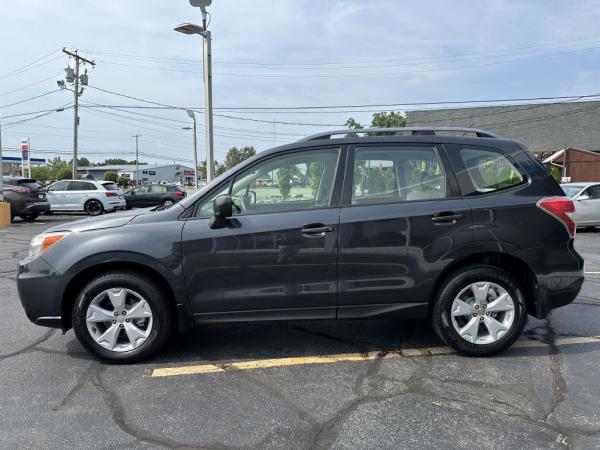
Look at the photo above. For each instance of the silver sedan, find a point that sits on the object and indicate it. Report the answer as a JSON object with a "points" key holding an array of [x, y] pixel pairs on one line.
{"points": [[586, 197]]}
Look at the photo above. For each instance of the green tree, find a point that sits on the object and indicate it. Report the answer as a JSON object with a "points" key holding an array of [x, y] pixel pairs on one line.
{"points": [[382, 119], [122, 181], [284, 180], [83, 162], [235, 155], [555, 172], [62, 174], [111, 176], [41, 173]]}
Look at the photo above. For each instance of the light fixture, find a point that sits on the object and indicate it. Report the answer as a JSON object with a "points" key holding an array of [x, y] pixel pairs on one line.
{"points": [[189, 28]]}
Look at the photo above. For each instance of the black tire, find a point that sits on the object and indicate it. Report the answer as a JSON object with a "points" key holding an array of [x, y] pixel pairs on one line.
{"points": [[154, 295], [453, 285], [29, 217], [94, 207]]}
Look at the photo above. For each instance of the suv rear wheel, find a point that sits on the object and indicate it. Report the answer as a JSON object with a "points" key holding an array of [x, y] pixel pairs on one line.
{"points": [[479, 311], [93, 207], [122, 317]]}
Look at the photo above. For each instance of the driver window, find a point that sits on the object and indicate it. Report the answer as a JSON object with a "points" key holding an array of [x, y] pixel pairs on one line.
{"points": [[205, 208], [593, 192], [290, 182]]}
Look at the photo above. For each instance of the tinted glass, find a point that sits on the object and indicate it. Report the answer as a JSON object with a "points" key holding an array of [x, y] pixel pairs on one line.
{"points": [[593, 192], [205, 207], [81, 186], [488, 170], [571, 191], [290, 182], [394, 174], [59, 186], [110, 186]]}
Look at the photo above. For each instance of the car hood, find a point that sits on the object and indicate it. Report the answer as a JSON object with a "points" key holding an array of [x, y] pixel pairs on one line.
{"points": [[98, 223]]}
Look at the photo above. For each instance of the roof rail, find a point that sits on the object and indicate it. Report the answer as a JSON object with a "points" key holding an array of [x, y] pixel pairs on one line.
{"points": [[411, 130]]}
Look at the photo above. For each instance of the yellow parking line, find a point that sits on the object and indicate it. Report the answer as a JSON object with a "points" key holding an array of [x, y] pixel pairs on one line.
{"points": [[343, 357]]}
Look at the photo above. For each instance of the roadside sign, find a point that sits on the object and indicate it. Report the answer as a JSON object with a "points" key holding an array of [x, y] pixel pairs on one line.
{"points": [[25, 158]]}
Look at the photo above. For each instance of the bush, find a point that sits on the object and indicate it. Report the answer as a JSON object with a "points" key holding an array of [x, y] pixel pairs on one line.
{"points": [[64, 174], [111, 176]]}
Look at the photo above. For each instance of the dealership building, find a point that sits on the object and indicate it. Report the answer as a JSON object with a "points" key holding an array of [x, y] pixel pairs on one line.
{"points": [[169, 173], [543, 128]]}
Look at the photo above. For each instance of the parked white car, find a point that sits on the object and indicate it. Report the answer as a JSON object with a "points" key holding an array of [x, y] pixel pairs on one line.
{"points": [[92, 197], [586, 197]]}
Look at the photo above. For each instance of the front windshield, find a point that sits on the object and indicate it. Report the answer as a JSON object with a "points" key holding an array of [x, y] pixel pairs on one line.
{"points": [[572, 191]]}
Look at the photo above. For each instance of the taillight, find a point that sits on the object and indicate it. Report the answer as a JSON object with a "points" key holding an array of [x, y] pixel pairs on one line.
{"points": [[111, 194], [562, 208], [19, 189], [179, 193]]}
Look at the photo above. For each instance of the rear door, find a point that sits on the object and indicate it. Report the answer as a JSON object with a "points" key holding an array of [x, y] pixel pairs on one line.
{"points": [[78, 192], [401, 224]]}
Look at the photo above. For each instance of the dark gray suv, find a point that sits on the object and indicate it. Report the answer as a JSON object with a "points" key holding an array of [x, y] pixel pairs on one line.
{"points": [[470, 231]]}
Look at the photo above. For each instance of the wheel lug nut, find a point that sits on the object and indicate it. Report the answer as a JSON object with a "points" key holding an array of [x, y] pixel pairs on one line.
{"points": [[487, 313], [116, 313], [485, 306], [114, 321], [476, 306], [127, 320], [480, 319], [474, 314], [121, 326], [124, 312]]}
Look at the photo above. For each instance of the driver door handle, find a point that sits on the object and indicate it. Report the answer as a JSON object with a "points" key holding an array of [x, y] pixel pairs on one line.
{"points": [[316, 230]]}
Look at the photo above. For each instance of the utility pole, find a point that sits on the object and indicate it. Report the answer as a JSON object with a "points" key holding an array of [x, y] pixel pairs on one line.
{"points": [[137, 160], [75, 78]]}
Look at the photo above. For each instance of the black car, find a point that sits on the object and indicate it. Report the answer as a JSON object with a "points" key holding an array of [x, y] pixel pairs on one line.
{"points": [[472, 232], [26, 197], [154, 195]]}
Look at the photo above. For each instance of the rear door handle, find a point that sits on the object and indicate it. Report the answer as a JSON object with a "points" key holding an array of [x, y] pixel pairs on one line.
{"points": [[447, 217], [318, 230]]}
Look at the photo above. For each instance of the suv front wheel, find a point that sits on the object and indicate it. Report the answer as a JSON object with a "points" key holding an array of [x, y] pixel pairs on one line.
{"points": [[122, 317], [479, 311]]}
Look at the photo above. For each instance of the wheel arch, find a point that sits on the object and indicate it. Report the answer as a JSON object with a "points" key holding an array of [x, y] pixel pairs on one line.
{"points": [[515, 266], [78, 281]]}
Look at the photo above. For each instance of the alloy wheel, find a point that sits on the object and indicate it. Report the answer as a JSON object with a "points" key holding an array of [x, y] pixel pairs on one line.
{"points": [[119, 319], [482, 312]]}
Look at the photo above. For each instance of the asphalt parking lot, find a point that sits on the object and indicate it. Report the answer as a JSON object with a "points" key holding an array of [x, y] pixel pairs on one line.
{"points": [[349, 384]]}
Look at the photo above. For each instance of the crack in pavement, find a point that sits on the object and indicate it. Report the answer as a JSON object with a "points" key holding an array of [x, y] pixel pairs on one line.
{"points": [[31, 347]]}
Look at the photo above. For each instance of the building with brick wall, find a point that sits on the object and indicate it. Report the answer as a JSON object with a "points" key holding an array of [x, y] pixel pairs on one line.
{"points": [[576, 165], [541, 127]]}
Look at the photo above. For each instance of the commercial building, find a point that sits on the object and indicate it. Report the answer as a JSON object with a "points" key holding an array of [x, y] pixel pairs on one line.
{"points": [[148, 174], [576, 165], [541, 127], [11, 165]]}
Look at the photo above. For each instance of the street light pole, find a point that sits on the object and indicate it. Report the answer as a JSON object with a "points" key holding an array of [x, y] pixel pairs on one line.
{"points": [[1, 168], [208, 112], [189, 28], [137, 160], [193, 117]]}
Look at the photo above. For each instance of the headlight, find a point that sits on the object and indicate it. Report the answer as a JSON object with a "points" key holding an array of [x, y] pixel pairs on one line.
{"points": [[42, 242]]}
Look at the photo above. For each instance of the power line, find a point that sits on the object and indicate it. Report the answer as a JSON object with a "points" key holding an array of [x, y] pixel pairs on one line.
{"points": [[29, 99], [30, 65], [30, 85], [273, 65]]}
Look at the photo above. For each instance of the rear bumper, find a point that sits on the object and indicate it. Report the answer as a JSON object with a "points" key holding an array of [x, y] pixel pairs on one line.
{"points": [[37, 284], [37, 208]]}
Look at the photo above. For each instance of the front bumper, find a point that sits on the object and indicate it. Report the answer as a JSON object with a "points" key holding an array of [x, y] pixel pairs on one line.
{"points": [[37, 284]]}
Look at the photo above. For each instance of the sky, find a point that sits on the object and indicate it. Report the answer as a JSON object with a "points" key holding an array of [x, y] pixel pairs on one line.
{"points": [[275, 54]]}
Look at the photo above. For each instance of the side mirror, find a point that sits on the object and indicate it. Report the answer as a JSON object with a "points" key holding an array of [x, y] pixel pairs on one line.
{"points": [[222, 209], [583, 197]]}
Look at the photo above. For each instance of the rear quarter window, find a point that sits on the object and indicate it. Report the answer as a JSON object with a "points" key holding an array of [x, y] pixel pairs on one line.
{"points": [[482, 170], [110, 186]]}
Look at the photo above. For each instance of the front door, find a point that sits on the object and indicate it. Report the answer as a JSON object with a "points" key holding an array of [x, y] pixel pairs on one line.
{"points": [[56, 195], [587, 211], [401, 224], [276, 258]]}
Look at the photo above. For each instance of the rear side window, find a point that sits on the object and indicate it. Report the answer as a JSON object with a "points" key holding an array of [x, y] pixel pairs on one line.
{"points": [[81, 186], [60, 186], [484, 170], [394, 174]]}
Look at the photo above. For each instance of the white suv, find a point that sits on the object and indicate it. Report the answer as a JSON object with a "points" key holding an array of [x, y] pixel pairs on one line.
{"points": [[93, 197]]}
